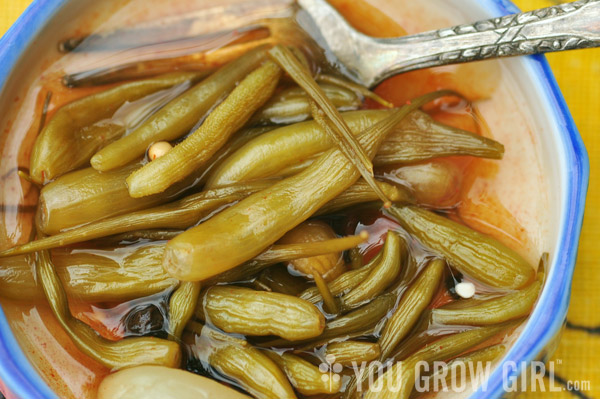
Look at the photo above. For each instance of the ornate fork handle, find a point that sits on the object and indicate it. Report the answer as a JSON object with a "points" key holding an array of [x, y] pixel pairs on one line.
{"points": [[561, 27]]}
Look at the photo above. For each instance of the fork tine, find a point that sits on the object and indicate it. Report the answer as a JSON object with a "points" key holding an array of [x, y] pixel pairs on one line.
{"points": [[344, 46], [369, 60]]}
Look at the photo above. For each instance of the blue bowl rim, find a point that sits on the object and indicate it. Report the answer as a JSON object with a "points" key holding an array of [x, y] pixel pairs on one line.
{"points": [[19, 376], [550, 313]]}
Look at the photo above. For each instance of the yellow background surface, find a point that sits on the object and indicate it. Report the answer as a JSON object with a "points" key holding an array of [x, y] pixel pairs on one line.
{"points": [[578, 74]]}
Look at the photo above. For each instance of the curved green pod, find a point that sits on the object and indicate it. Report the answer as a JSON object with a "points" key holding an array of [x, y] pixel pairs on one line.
{"points": [[471, 252], [417, 138], [94, 277], [198, 148], [232, 357], [348, 353], [412, 303], [421, 138], [291, 105], [245, 311], [359, 322], [271, 152], [243, 230], [235, 143], [127, 352], [177, 215], [181, 308], [344, 283], [86, 196], [304, 376], [398, 381], [91, 276], [381, 276], [252, 370], [490, 311], [71, 137], [177, 117], [362, 318]]}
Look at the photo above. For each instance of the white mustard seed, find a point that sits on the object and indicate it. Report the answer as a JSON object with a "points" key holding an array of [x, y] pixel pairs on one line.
{"points": [[465, 289], [159, 149]]}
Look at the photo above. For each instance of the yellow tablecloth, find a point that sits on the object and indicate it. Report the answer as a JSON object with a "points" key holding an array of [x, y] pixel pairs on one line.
{"points": [[578, 356], [578, 74]]}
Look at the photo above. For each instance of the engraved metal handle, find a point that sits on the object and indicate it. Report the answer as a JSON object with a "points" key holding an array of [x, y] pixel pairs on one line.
{"points": [[369, 60]]}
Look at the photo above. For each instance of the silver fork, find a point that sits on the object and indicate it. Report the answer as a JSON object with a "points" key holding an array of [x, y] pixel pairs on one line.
{"points": [[369, 60]]}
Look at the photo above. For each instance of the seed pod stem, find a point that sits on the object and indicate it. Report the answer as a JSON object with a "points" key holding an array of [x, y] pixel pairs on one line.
{"points": [[329, 302], [325, 113], [284, 253], [343, 283], [365, 92]]}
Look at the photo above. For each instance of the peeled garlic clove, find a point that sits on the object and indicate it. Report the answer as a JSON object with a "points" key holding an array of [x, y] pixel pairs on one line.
{"points": [[158, 382], [434, 184]]}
